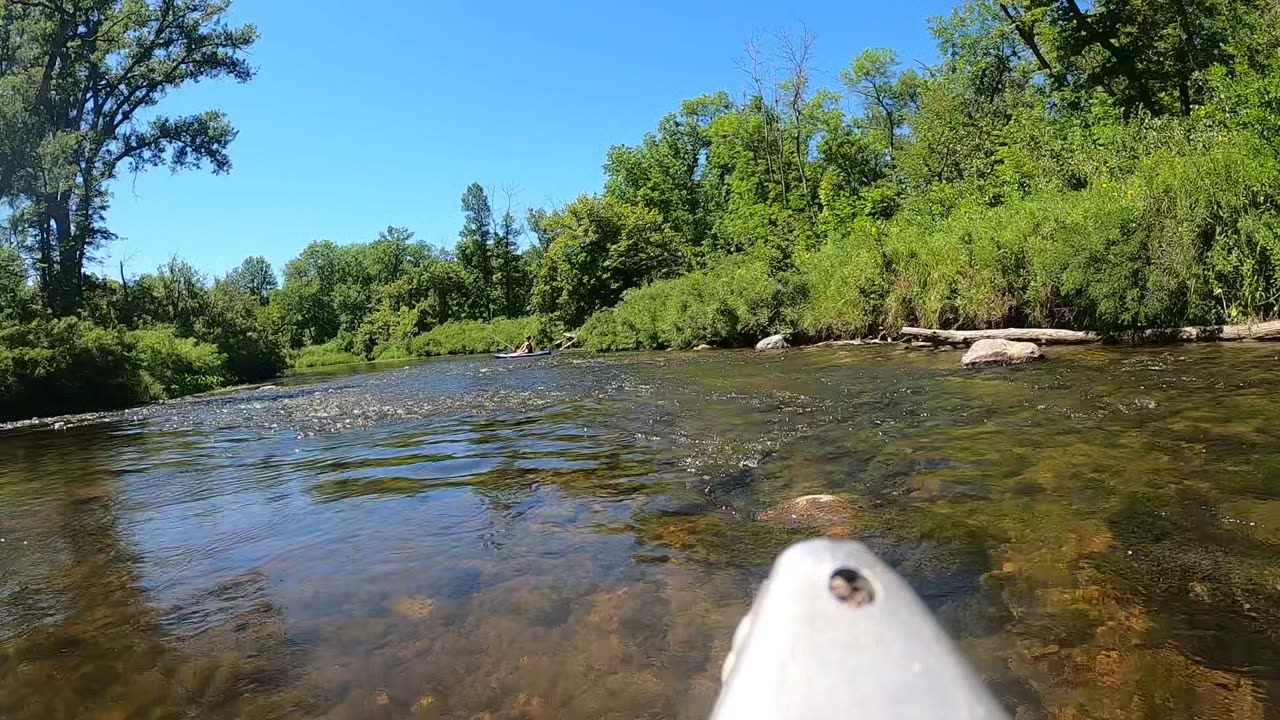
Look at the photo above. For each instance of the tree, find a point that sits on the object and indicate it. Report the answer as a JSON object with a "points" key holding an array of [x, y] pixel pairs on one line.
{"points": [[304, 306], [15, 293], [888, 95], [81, 81], [475, 249], [665, 171], [175, 295], [255, 277], [602, 248], [509, 269], [237, 323]]}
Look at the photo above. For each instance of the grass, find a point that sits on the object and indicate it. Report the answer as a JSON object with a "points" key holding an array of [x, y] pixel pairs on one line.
{"points": [[474, 336], [730, 304], [315, 356]]}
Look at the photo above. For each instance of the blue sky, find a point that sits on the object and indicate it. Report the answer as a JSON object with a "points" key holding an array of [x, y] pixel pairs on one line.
{"points": [[380, 113]]}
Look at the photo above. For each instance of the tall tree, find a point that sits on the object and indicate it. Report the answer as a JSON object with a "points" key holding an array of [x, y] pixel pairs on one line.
{"points": [[889, 95], [81, 81], [254, 276], [508, 265], [475, 249]]}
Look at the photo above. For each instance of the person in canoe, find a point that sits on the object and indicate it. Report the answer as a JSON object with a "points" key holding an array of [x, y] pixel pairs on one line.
{"points": [[526, 348]]}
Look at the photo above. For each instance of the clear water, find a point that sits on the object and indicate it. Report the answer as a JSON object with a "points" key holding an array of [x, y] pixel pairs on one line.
{"points": [[576, 537]]}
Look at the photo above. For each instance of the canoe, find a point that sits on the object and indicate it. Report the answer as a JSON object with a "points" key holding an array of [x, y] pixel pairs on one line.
{"points": [[512, 356]]}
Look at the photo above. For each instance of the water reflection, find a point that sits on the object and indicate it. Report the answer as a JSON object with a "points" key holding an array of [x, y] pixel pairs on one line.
{"points": [[577, 538]]}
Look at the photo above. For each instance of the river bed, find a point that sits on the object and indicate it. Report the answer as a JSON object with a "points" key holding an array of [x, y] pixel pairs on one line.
{"points": [[577, 536]]}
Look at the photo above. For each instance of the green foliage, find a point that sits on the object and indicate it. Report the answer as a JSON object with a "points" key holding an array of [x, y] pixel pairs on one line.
{"points": [[730, 304], [844, 285], [330, 353], [1110, 165], [173, 366], [600, 249], [49, 367], [254, 276], [472, 336], [242, 330]]}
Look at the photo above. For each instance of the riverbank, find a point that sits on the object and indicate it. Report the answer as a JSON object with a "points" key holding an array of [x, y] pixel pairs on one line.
{"points": [[166, 367]]}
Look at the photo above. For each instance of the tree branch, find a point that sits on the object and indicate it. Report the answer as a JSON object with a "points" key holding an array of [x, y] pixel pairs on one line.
{"points": [[1028, 36]]}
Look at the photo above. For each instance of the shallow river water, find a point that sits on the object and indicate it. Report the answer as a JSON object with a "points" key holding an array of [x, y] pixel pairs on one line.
{"points": [[577, 536]]}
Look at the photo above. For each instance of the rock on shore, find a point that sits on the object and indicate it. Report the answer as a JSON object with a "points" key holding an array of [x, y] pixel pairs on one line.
{"points": [[773, 342]]}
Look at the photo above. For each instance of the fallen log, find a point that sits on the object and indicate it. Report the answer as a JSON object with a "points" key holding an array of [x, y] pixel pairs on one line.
{"points": [[1269, 330], [1044, 336], [1258, 331], [839, 343]]}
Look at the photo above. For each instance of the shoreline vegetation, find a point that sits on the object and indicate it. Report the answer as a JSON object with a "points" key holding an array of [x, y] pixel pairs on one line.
{"points": [[1110, 169]]}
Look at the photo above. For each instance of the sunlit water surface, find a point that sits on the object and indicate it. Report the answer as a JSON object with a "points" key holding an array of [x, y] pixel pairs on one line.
{"points": [[577, 536]]}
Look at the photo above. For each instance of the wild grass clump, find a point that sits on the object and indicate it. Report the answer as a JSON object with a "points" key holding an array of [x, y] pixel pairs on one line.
{"points": [[330, 353], [475, 336], [843, 284], [730, 304]]}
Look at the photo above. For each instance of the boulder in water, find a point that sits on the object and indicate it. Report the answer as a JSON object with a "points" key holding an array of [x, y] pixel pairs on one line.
{"points": [[773, 342], [1001, 352], [810, 511]]}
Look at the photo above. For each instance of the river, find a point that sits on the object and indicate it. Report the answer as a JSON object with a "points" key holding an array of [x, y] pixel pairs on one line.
{"points": [[577, 536]]}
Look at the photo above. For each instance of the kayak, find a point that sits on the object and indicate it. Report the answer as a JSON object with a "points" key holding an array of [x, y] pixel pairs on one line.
{"points": [[512, 356]]}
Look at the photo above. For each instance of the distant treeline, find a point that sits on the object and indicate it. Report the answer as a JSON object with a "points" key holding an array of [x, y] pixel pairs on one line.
{"points": [[1109, 166]]}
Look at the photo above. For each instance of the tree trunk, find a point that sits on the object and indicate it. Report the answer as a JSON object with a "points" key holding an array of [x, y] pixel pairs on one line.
{"points": [[62, 293]]}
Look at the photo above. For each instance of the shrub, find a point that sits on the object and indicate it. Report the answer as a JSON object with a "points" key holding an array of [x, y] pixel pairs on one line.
{"points": [[174, 366], [330, 353], [475, 336], [730, 304], [51, 367]]}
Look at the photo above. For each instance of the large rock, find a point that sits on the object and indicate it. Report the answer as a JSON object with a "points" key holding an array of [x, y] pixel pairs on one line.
{"points": [[773, 342], [1001, 352]]}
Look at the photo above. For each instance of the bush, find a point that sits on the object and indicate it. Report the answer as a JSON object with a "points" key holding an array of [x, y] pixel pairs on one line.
{"points": [[330, 353], [736, 302], [474, 336], [174, 366], [52, 367], [392, 351]]}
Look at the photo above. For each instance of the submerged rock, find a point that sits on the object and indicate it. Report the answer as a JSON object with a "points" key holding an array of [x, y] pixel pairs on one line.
{"points": [[809, 511], [1001, 352], [773, 342], [416, 607]]}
